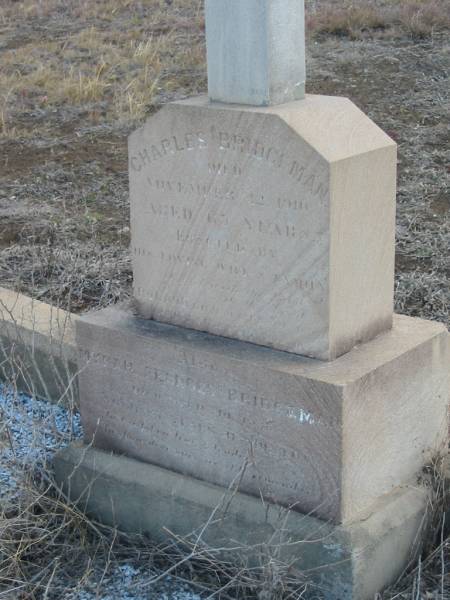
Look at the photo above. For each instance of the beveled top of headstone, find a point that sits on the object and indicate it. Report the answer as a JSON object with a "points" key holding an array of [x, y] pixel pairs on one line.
{"points": [[256, 51]]}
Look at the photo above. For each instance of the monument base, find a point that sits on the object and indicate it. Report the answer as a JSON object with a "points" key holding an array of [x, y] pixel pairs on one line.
{"points": [[353, 561], [329, 437]]}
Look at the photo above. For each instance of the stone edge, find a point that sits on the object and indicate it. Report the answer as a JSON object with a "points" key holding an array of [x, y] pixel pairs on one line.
{"points": [[39, 339], [353, 561]]}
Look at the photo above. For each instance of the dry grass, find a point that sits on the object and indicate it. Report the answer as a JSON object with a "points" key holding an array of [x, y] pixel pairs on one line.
{"points": [[429, 579], [422, 19], [117, 57], [349, 21], [72, 272], [104, 10], [50, 550], [86, 68], [419, 19]]}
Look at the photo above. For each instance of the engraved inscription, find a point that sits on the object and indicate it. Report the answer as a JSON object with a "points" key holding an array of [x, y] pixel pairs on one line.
{"points": [[226, 142], [178, 409], [230, 229], [152, 375]]}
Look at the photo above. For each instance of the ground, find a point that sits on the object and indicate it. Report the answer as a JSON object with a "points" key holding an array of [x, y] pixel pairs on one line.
{"points": [[46, 550], [76, 77]]}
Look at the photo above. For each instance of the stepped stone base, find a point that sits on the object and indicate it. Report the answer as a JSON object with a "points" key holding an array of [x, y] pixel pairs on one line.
{"points": [[350, 562], [243, 221], [315, 436]]}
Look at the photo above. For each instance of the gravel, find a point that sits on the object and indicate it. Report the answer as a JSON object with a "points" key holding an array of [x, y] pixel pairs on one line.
{"points": [[31, 431]]}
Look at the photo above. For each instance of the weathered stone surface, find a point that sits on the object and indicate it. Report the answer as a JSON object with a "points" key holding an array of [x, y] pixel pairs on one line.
{"points": [[256, 51], [37, 348], [323, 437], [350, 562], [269, 225]]}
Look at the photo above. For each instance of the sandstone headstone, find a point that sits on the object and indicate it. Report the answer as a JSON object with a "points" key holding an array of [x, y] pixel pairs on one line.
{"points": [[269, 225], [325, 437]]}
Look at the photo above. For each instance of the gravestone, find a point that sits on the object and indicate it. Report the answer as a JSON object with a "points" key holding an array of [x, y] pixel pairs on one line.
{"points": [[261, 345], [270, 225]]}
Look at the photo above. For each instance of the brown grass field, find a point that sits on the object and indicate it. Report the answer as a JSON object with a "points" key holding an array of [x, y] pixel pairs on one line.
{"points": [[76, 77]]}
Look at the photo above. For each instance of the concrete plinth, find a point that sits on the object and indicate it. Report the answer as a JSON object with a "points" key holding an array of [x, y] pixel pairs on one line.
{"points": [[350, 562], [37, 348]]}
